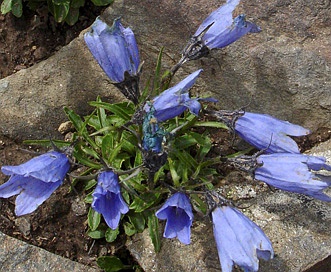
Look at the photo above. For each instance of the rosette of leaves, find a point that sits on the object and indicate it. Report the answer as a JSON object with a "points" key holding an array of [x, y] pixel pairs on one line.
{"points": [[62, 10]]}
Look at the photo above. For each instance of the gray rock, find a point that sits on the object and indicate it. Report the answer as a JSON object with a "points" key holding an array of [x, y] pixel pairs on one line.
{"points": [[32, 100], [298, 227], [283, 71], [19, 256]]}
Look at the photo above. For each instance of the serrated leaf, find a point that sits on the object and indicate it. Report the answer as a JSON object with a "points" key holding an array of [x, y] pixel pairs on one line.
{"points": [[93, 219], [111, 235], [110, 263], [153, 228]]}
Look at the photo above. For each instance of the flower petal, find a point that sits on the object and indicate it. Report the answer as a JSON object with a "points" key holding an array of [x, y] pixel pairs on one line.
{"points": [[114, 48], [49, 167], [34, 193], [291, 172], [221, 17], [239, 28], [239, 240], [175, 100], [107, 199], [13, 186], [266, 132], [177, 210]]}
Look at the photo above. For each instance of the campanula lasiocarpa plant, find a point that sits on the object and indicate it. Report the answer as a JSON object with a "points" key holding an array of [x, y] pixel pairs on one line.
{"points": [[150, 159]]}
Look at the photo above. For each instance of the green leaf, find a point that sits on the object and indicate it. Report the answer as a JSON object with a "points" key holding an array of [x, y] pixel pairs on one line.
{"points": [[198, 203], [187, 159], [93, 219], [174, 175], [77, 3], [146, 200], [129, 229], [61, 12], [47, 143], [102, 116], [137, 220], [75, 119], [211, 124], [6, 6], [110, 263], [102, 2], [157, 74], [17, 8], [204, 143], [154, 233], [88, 198], [122, 110], [90, 184], [107, 145], [81, 157], [111, 235], [72, 16], [97, 234]]}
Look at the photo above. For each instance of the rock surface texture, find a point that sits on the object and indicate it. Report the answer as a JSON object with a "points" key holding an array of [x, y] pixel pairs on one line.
{"points": [[19, 256], [297, 226], [283, 71]]}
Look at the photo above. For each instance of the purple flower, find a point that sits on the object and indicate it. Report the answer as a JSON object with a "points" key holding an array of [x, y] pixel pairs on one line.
{"points": [[116, 51], [225, 30], [177, 211], [107, 199], [174, 101], [296, 173], [239, 240], [218, 30], [264, 131], [34, 181]]}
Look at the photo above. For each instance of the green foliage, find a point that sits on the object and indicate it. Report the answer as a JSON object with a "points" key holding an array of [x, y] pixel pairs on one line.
{"points": [[110, 138], [111, 264], [62, 10]]}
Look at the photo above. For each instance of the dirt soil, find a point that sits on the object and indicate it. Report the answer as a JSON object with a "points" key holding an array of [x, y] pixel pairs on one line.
{"points": [[59, 225]]}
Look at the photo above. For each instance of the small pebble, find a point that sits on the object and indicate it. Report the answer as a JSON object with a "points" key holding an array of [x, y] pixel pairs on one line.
{"points": [[78, 206], [65, 127], [23, 225]]}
